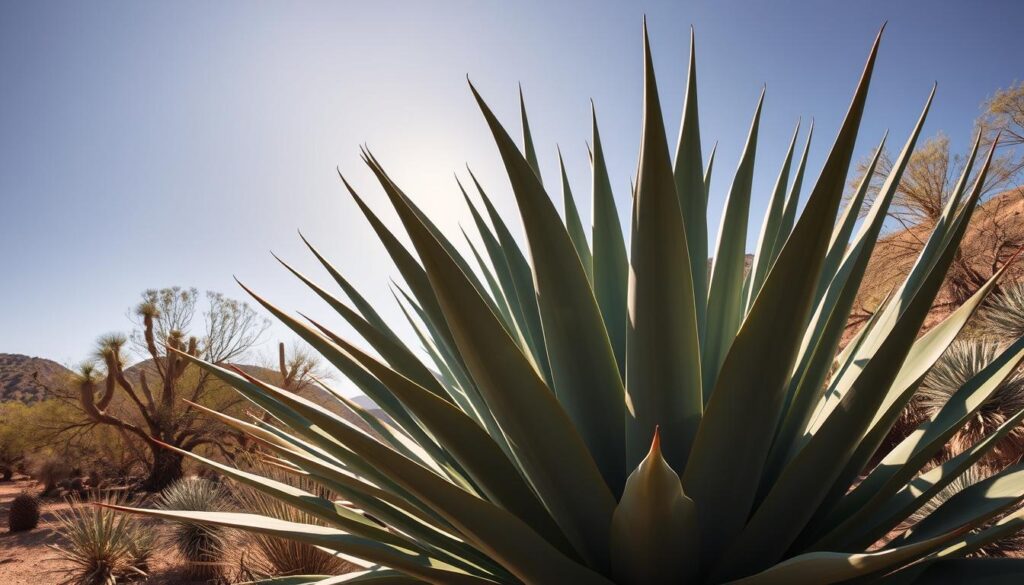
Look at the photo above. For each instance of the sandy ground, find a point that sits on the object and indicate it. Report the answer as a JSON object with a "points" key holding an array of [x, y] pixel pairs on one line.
{"points": [[27, 559]]}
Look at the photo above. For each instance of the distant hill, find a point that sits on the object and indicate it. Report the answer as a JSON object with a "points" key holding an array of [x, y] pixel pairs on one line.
{"points": [[16, 376], [17, 383]]}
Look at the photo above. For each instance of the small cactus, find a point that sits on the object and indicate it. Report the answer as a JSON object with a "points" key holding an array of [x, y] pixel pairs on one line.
{"points": [[24, 513]]}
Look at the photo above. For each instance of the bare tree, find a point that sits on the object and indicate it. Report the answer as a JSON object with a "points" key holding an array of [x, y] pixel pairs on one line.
{"points": [[149, 399]]}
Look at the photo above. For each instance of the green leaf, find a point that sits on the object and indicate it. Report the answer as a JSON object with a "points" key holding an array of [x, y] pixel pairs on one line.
{"points": [[573, 224], [806, 481], [611, 265], [689, 179], [725, 296], [662, 347], [583, 368], [789, 215], [820, 568], [707, 183], [528, 150], [972, 506], [408, 561], [769, 237], [728, 456], [522, 275], [923, 488], [544, 439]]}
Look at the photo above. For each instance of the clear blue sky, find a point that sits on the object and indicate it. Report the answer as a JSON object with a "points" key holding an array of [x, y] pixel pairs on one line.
{"points": [[145, 144]]}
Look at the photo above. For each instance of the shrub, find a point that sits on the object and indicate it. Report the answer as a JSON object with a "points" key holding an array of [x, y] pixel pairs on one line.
{"points": [[960, 363], [1004, 315], [202, 546], [51, 471], [24, 513], [281, 556], [103, 547]]}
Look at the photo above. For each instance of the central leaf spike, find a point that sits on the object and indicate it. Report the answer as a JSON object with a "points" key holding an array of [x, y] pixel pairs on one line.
{"points": [[654, 528]]}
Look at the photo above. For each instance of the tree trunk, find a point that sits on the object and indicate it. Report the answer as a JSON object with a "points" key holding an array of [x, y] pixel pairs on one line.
{"points": [[165, 471]]}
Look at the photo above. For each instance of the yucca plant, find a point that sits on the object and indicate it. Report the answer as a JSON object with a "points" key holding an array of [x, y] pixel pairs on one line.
{"points": [[1004, 314], [961, 362], [102, 547], [201, 545], [596, 414]]}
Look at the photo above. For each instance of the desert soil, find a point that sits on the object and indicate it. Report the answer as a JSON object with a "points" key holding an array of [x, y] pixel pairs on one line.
{"points": [[26, 558]]}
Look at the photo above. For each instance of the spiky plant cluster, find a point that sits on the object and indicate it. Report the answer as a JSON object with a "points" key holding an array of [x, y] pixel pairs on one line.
{"points": [[1004, 314], [593, 414], [201, 545], [959, 364], [1007, 547], [102, 547], [281, 556], [23, 514]]}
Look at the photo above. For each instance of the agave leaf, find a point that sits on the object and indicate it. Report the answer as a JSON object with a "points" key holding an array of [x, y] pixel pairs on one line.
{"points": [[410, 270], [611, 265], [953, 213], [923, 355], [956, 571], [394, 352], [501, 271], [489, 527], [729, 453], [335, 515], [789, 215], [542, 435], [663, 372], [819, 568], [707, 177], [1006, 526], [725, 296], [923, 488], [408, 561], [972, 506], [573, 224], [522, 275], [688, 173], [654, 528], [769, 237], [471, 446], [528, 150], [583, 367], [374, 576], [940, 244], [914, 451], [822, 338], [364, 306], [798, 493], [501, 302], [826, 327], [837, 249]]}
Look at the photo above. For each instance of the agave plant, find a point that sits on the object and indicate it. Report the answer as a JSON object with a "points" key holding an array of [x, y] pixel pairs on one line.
{"points": [[589, 413], [102, 547], [961, 362]]}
